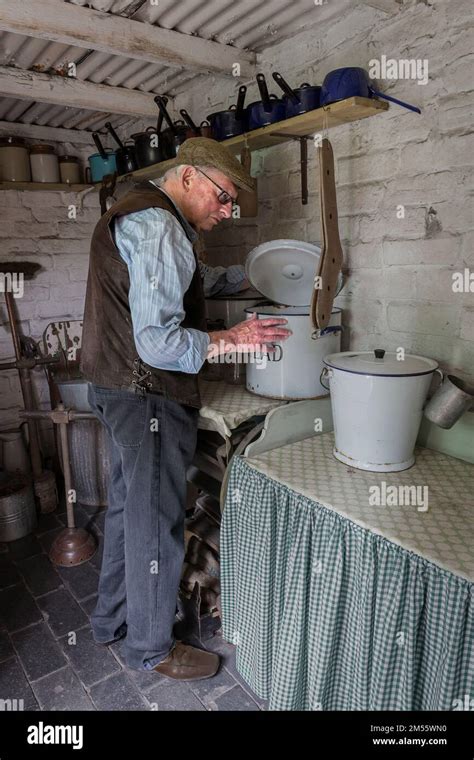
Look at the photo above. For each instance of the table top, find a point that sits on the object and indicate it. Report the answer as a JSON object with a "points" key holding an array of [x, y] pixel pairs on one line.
{"points": [[226, 406], [443, 533]]}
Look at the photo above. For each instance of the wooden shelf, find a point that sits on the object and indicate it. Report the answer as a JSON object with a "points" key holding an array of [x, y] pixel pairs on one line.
{"points": [[343, 112], [43, 186]]}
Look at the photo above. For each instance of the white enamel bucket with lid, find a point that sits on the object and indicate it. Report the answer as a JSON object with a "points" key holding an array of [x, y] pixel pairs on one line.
{"points": [[284, 271], [294, 370], [377, 404]]}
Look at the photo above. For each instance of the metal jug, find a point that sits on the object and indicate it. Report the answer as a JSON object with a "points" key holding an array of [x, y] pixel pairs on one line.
{"points": [[452, 398]]}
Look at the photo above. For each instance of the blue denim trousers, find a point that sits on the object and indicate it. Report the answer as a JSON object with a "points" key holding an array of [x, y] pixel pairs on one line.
{"points": [[151, 442]]}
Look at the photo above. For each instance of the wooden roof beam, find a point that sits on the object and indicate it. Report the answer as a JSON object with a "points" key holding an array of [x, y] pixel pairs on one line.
{"points": [[67, 91], [82, 27]]}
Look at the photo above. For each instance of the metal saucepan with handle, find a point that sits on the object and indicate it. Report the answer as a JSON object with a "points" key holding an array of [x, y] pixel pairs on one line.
{"points": [[299, 99], [204, 129], [148, 150], [147, 147], [101, 163], [176, 133], [232, 122], [352, 81], [125, 155], [193, 129], [266, 111]]}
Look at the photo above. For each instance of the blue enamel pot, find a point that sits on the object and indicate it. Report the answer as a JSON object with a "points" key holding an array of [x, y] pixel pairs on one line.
{"points": [[352, 81], [100, 167]]}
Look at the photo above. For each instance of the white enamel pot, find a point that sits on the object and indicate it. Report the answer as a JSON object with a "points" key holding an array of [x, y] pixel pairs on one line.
{"points": [[377, 404], [294, 370]]}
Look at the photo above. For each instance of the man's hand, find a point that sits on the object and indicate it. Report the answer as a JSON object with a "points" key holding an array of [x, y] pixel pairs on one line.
{"points": [[251, 335]]}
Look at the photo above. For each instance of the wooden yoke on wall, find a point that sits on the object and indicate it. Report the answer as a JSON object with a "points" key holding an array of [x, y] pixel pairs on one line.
{"points": [[326, 280]]}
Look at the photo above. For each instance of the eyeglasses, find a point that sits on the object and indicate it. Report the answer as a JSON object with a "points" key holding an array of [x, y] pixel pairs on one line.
{"points": [[224, 197]]}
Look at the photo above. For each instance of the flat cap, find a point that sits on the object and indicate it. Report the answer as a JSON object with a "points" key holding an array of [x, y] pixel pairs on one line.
{"points": [[202, 151]]}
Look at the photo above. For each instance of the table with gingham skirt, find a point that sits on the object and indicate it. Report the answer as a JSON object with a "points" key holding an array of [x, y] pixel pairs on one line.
{"points": [[337, 603]]}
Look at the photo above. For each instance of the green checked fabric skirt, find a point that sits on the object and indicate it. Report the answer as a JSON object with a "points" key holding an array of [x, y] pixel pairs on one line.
{"points": [[327, 615]]}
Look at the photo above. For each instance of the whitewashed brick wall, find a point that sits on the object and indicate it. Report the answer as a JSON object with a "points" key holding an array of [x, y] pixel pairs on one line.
{"points": [[35, 227], [398, 271]]}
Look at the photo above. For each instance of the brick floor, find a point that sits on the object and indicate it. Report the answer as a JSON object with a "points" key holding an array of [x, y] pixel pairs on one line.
{"points": [[49, 659]]}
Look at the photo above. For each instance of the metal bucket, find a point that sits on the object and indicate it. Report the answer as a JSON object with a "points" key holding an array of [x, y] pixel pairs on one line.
{"points": [[88, 447], [17, 507]]}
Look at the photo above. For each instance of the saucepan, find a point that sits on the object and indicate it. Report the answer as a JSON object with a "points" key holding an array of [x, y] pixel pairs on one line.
{"points": [[204, 129], [352, 81], [176, 133], [124, 155], [232, 122], [266, 111], [101, 163], [300, 99], [148, 148]]}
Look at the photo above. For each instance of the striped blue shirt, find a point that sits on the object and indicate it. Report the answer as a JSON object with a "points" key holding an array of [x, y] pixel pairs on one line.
{"points": [[160, 260]]}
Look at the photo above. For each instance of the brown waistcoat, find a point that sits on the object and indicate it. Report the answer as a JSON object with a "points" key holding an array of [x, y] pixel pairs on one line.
{"points": [[109, 356]]}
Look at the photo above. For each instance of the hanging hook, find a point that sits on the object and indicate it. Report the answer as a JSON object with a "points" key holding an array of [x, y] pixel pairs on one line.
{"points": [[325, 122]]}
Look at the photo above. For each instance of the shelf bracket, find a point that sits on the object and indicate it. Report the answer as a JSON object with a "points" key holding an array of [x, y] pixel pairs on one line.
{"points": [[106, 190], [303, 141], [304, 169]]}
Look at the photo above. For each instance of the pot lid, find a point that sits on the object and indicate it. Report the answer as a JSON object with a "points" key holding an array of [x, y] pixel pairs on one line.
{"points": [[13, 141], [379, 362], [41, 149], [284, 270]]}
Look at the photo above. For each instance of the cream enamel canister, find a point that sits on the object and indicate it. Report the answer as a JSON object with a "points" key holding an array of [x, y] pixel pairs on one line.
{"points": [[69, 170], [44, 164], [14, 160]]}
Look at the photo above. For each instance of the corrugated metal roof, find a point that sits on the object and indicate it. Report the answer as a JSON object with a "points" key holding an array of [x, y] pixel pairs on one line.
{"points": [[245, 24]]}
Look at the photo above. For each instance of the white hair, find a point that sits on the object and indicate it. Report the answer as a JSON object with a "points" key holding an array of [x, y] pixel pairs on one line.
{"points": [[175, 171]]}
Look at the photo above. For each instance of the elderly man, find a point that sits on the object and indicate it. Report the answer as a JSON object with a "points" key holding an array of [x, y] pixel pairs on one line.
{"points": [[144, 342]]}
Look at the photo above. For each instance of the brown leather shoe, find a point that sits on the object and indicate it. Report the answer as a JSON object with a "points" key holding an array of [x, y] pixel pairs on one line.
{"points": [[187, 663]]}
